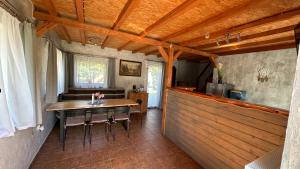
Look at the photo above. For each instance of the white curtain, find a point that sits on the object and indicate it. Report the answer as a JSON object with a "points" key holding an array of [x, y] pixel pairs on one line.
{"points": [[60, 72], [16, 87], [51, 82]]}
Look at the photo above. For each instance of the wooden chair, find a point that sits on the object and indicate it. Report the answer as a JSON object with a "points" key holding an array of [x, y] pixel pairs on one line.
{"points": [[75, 118], [138, 110], [99, 116], [120, 114]]}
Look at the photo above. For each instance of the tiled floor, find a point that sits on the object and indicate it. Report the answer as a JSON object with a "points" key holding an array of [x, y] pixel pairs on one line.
{"points": [[145, 149]]}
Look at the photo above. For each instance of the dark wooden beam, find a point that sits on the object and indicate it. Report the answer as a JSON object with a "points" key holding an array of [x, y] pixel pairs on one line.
{"points": [[250, 37], [182, 8], [126, 11], [110, 32], [260, 43]]}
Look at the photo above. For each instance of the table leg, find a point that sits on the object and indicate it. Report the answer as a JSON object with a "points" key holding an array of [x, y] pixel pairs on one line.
{"points": [[61, 126]]}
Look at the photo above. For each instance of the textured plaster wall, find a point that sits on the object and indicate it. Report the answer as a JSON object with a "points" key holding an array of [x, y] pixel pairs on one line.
{"points": [[242, 70], [125, 82], [291, 152]]}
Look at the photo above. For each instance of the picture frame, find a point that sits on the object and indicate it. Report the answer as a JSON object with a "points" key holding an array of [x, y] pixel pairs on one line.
{"points": [[130, 68]]}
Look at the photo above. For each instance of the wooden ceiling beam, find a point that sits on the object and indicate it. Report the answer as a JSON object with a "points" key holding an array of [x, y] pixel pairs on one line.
{"points": [[263, 21], [250, 37], [52, 11], [224, 15], [110, 32], [163, 53], [182, 8], [177, 54], [283, 45], [45, 27], [152, 52], [64, 32], [253, 44], [126, 11], [80, 16]]}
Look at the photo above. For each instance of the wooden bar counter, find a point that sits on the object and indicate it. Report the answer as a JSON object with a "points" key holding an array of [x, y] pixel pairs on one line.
{"points": [[221, 133]]}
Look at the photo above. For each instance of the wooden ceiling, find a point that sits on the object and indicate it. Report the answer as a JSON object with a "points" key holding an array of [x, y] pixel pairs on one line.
{"points": [[192, 26]]}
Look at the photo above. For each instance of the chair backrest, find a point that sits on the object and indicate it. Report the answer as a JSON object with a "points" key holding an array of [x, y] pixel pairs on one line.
{"points": [[104, 111], [77, 112], [122, 109]]}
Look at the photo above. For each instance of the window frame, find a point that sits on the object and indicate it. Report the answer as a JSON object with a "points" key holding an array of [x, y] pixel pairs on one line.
{"points": [[90, 59]]}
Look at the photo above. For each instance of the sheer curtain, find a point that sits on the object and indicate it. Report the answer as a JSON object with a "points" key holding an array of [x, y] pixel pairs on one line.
{"points": [[15, 84], [51, 82], [60, 72]]}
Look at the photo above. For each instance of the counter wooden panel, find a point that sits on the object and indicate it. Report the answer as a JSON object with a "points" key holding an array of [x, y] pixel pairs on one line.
{"points": [[140, 95], [221, 135]]}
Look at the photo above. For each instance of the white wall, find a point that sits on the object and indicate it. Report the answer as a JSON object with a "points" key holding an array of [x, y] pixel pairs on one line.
{"points": [[125, 82], [241, 70]]}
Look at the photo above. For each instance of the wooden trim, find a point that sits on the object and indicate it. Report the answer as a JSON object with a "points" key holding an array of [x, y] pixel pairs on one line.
{"points": [[213, 61], [260, 43], [252, 36], [238, 103], [126, 11], [45, 27], [110, 32], [274, 18], [285, 45], [182, 8]]}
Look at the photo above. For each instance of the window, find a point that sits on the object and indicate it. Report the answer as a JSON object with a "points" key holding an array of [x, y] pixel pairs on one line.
{"points": [[90, 72]]}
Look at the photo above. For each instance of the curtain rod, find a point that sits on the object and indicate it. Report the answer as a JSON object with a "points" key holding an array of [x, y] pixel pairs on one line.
{"points": [[6, 5]]}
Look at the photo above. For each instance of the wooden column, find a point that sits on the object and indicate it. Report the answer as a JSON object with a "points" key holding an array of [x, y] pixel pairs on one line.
{"points": [[169, 59]]}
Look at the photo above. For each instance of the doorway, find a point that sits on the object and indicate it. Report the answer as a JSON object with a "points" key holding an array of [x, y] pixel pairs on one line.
{"points": [[155, 83]]}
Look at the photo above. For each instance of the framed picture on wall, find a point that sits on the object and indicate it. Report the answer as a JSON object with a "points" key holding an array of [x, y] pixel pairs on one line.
{"points": [[130, 68]]}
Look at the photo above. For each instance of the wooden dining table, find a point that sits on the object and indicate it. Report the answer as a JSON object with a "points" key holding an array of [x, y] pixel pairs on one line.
{"points": [[61, 107]]}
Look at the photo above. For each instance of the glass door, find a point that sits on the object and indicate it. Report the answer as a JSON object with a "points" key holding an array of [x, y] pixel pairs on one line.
{"points": [[154, 86]]}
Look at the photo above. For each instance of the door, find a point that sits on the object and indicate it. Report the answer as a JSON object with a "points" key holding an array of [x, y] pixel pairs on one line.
{"points": [[154, 84]]}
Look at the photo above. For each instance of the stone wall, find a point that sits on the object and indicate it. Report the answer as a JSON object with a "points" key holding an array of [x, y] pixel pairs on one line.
{"points": [[242, 71]]}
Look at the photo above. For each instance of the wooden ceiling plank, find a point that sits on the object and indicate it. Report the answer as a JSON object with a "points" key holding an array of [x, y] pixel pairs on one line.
{"points": [[110, 32], [80, 16], [182, 8], [284, 45], [51, 8], [263, 21], [247, 45], [140, 49], [65, 33], [126, 11], [52, 11], [230, 12], [45, 27], [252, 36]]}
